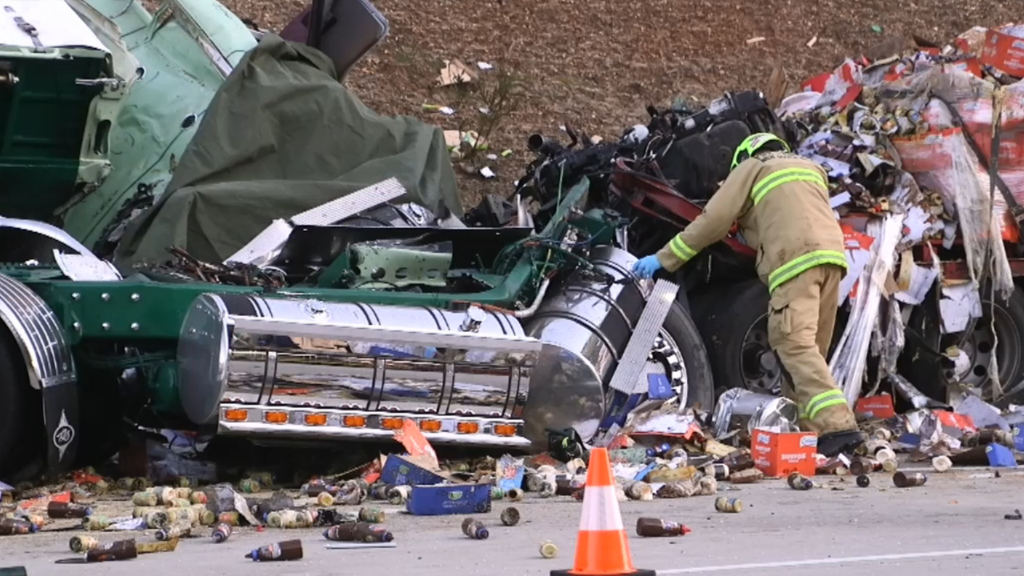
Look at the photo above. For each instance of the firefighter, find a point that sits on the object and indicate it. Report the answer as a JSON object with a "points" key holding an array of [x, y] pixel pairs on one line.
{"points": [[781, 203]]}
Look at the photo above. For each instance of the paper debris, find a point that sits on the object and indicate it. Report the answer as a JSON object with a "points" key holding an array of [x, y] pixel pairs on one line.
{"points": [[755, 40], [812, 42], [486, 172], [484, 66]]}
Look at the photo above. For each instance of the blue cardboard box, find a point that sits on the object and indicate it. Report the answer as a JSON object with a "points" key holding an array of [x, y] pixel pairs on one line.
{"points": [[449, 499], [402, 471], [1000, 456]]}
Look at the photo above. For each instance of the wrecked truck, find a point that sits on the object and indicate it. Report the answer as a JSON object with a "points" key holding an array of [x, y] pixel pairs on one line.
{"points": [[347, 315], [935, 289]]}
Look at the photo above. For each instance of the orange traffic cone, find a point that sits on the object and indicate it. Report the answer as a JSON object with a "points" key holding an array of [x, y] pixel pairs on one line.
{"points": [[602, 548]]}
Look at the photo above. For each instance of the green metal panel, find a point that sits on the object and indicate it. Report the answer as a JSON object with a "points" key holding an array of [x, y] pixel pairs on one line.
{"points": [[132, 310], [182, 56], [43, 119]]}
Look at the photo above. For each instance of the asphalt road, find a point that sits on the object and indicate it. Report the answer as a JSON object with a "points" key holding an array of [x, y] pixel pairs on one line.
{"points": [[953, 524]]}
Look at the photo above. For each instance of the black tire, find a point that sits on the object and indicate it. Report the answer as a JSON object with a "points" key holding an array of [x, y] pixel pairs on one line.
{"points": [[21, 412], [699, 375], [733, 320], [932, 374], [726, 317]]}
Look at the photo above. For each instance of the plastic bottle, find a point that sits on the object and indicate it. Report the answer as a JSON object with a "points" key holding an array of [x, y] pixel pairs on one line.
{"points": [[278, 552], [654, 527], [358, 532], [221, 532]]}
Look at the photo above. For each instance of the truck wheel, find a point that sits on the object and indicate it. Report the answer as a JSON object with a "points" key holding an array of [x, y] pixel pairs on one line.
{"points": [[21, 415], [932, 375], [697, 385], [733, 322]]}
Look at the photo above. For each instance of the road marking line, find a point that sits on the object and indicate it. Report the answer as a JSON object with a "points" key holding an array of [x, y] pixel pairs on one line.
{"points": [[816, 561]]}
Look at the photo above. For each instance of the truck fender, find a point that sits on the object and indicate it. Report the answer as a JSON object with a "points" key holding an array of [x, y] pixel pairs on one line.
{"points": [[50, 365]]}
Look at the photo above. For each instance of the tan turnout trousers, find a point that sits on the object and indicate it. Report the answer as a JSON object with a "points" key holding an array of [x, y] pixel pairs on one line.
{"points": [[801, 318]]}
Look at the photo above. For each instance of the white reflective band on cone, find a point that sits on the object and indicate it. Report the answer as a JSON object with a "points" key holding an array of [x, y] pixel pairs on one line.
{"points": [[600, 510]]}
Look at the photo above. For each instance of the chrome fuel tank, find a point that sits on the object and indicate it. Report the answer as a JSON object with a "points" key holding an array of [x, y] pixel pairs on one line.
{"points": [[306, 367], [588, 325]]}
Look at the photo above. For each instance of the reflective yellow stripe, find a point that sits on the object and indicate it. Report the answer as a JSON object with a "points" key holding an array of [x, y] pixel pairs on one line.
{"points": [[822, 401], [680, 249], [780, 177], [801, 264]]}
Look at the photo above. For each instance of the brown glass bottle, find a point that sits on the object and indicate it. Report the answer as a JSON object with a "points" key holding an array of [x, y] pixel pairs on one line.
{"points": [[120, 550], [358, 532], [13, 526], [279, 552], [739, 460], [658, 527], [67, 510]]}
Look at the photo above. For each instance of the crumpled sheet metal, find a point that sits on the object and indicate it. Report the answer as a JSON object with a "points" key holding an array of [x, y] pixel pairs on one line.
{"points": [[760, 410]]}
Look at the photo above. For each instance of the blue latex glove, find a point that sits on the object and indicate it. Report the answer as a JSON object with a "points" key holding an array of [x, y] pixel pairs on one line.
{"points": [[646, 266]]}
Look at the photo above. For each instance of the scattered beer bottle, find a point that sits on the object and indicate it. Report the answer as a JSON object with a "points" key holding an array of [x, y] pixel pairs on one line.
{"points": [[654, 527], [358, 532], [67, 510], [221, 532], [278, 552], [475, 529], [16, 526], [120, 550]]}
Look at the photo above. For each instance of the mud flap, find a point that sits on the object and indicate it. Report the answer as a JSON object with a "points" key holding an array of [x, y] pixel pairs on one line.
{"points": [[60, 413]]}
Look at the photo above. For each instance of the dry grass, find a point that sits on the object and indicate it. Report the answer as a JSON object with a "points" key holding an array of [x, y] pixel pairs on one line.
{"points": [[596, 64]]}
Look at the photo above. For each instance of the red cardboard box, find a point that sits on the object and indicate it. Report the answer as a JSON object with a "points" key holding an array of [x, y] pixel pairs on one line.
{"points": [[955, 424], [1004, 52], [780, 454], [876, 407]]}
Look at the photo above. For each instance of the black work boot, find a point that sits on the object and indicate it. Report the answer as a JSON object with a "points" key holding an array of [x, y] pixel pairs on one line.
{"points": [[835, 443]]}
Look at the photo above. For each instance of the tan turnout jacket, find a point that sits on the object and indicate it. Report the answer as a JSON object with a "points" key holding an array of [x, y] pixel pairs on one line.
{"points": [[782, 205]]}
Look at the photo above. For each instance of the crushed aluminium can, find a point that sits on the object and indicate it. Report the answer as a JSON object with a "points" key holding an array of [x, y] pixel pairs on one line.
{"points": [[277, 552], [728, 505], [82, 544]]}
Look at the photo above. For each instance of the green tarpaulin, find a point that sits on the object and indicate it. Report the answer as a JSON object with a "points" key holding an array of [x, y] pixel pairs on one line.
{"points": [[281, 136]]}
